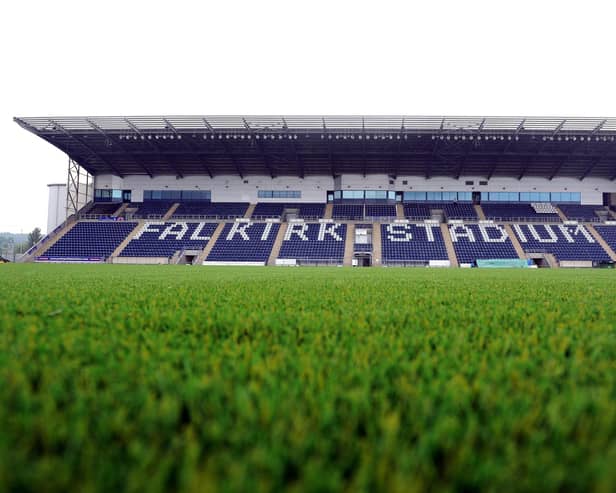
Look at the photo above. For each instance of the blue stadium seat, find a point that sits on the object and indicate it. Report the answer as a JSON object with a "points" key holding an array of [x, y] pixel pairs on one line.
{"points": [[583, 213], [481, 241], [519, 212], [323, 241], [349, 212], [163, 239], [412, 242], [244, 242], [565, 242], [608, 233], [91, 239]]}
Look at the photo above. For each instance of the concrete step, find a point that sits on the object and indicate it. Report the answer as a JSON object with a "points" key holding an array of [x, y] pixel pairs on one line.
{"points": [[249, 211], [561, 214], [399, 211], [171, 211], [601, 241], [277, 244], [377, 259], [120, 210], [451, 252], [515, 242], [480, 212], [348, 245], [52, 241], [122, 246], [329, 209], [210, 244], [552, 261]]}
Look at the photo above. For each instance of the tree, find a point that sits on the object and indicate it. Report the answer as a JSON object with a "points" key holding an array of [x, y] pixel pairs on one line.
{"points": [[34, 237]]}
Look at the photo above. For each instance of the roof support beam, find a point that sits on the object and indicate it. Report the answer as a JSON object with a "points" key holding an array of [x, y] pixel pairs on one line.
{"points": [[295, 153], [156, 149], [228, 151], [190, 148], [596, 161], [563, 161], [330, 157], [261, 149], [87, 146], [433, 154], [117, 143], [513, 138]]}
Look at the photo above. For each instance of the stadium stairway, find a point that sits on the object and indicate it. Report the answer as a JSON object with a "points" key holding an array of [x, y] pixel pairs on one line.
{"points": [[451, 252], [171, 211], [591, 229], [613, 213], [377, 248], [249, 211], [70, 223], [125, 242], [515, 242], [277, 244], [349, 245], [329, 209], [561, 214], [120, 211], [210, 244], [399, 212], [480, 214]]}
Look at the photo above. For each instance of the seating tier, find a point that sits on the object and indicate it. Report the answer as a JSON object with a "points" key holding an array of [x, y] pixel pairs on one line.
{"points": [[244, 242], [481, 241], [91, 239], [412, 242], [163, 239], [565, 242], [316, 241]]}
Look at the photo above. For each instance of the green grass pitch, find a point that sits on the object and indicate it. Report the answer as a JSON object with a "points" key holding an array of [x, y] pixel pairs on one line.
{"points": [[128, 378]]}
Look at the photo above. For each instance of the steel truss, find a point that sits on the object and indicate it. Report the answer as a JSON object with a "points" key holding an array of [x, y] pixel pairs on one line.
{"points": [[79, 188]]}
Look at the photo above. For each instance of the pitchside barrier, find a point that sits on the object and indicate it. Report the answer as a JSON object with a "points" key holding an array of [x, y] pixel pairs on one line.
{"points": [[503, 263]]}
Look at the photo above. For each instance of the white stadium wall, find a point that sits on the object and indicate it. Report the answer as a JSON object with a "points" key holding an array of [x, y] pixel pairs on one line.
{"points": [[56, 206], [314, 188]]}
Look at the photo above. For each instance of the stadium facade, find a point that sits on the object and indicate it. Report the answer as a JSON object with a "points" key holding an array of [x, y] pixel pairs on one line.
{"points": [[361, 190]]}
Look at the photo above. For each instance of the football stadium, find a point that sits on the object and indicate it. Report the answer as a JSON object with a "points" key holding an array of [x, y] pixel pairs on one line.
{"points": [[332, 190], [316, 303]]}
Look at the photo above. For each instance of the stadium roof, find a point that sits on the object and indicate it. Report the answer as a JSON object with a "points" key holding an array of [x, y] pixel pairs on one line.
{"points": [[425, 146]]}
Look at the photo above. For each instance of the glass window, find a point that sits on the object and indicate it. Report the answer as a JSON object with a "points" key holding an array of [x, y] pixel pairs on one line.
{"points": [[337, 194], [514, 197], [391, 195], [576, 197], [371, 194], [544, 196], [414, 196], [465, 196], [434, 196], [524, 197]]}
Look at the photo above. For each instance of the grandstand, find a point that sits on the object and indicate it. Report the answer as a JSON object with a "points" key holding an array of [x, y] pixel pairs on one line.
{"points": [[332, 190]]}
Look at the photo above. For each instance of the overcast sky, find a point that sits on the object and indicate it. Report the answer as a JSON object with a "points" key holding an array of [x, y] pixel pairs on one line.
{"points": [[287, 57]]}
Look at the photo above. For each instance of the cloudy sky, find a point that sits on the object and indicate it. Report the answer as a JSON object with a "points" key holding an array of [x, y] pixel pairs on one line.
{"points": [[285, 57]]}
